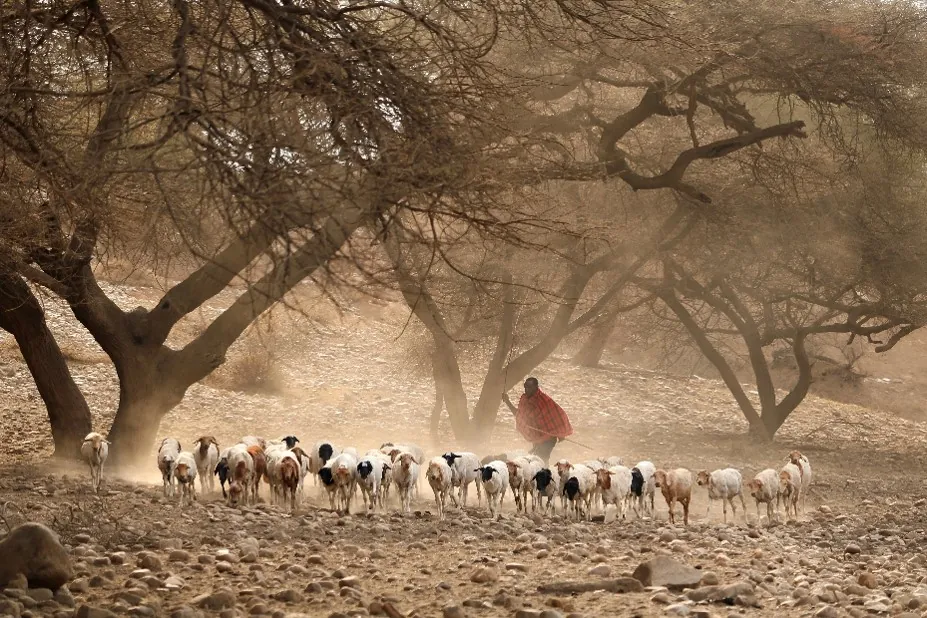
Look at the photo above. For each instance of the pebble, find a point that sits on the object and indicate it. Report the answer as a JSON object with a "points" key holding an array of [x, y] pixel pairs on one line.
{"points": [[484, 575], [86, 611], [852, 548], [179, 555], [220, 599], [288, 596], [867, 579], [710, 578], [453, 611], [40, 595], [149, 561], [603, 570]]}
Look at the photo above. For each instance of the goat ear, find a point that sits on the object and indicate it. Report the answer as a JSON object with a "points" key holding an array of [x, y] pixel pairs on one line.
{"points": [[414, 460]]}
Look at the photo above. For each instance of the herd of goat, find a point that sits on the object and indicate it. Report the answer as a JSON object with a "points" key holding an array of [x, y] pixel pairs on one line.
{"points": [[578, 487]]}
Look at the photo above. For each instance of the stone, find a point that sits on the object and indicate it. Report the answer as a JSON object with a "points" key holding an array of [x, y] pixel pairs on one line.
{"points": [[220, 599], [185, 611], [867, 579], [667, 572], [86, 611], [516, 566], [528, 613], [288, 596], [828, 611], [727, 594], [602, 570], [709, 578], [34, 550], [9, 607], [453, 611], [855, 590], [63, 597], [852, 548], [174, 582], [484, 575], [179, 555], [147, 560], [40, 595], [678, 609]]}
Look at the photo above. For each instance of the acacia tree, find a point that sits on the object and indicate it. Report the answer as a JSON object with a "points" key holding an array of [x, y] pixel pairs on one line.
{"points": [[850, 262], [257, 135], [513, 304], [650, 111]]}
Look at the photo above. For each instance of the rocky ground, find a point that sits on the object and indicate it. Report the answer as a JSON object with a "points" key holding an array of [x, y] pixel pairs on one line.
{"points": [[858, 550]]}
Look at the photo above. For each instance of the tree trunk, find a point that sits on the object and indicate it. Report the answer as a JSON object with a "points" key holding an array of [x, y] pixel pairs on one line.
{"points": [[439, 399], [590, 354], [22, 316], [774, 419], [145, 396], [708, 350]]}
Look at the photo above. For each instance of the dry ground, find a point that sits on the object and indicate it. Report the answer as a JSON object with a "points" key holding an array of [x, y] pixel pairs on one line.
{"points": [[348, 380]]}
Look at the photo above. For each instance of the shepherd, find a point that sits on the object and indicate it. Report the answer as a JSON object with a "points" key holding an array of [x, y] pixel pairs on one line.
{"points": [[539, 419]]}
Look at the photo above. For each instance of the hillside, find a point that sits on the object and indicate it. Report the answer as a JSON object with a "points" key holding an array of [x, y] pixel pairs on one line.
{"points": [[348, 378]]}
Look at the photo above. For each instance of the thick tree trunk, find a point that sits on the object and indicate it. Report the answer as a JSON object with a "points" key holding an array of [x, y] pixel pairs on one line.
{"points": [[22, 316], [436, 410], [438, 406], [590, 353], [145, 396]]}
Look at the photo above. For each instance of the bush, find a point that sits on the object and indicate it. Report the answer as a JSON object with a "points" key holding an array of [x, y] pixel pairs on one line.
{"points": [[252, 367]]}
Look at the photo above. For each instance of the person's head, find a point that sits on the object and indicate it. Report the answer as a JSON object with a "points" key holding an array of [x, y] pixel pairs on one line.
{"points": [[531, 386]]}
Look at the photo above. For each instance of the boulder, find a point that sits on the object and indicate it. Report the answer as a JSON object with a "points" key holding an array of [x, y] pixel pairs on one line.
{"points": [[667, 572], [34, 551]]}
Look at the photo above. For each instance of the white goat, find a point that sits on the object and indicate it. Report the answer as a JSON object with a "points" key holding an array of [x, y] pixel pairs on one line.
{"points": [[495, 479], [344, 473], [463, 466], [765, 488], [521, 474], [441, 479], [579, 489], [167, 457], [723, 485], [614, 485], [95, 450], [185, 473], [206, 454], [370, 479], [405, 476]]}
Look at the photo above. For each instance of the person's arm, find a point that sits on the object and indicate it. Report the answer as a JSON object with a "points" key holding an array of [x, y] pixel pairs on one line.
{"points": [[508, 402]]}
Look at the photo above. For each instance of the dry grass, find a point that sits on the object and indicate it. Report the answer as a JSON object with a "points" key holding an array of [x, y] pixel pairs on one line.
{"points": [[82, 356], [252, 366]]}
